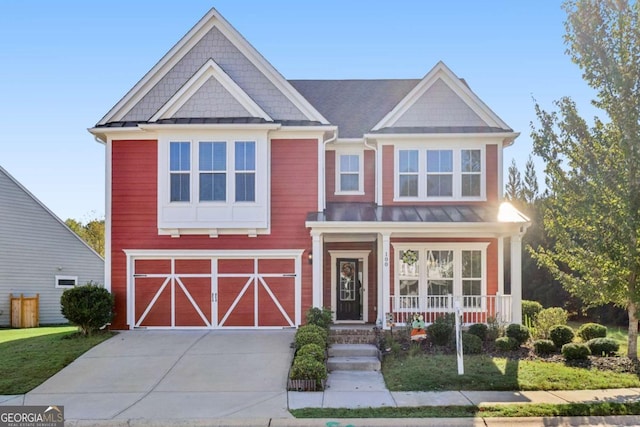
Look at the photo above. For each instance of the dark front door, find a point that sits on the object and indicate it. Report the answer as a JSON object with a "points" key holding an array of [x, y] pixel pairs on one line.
{"points": [[349, 303]]}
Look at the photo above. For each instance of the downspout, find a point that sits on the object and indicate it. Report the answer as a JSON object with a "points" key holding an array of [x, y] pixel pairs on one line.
{"points": [[324, 171], [376, 172]]}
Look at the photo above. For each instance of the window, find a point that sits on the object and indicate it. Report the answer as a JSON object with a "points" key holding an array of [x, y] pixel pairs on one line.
{"points": [[180, 168], [213, 171], [245, 171], [471, 169], [408, 173], [66, 281], [349, 172], [439, 174], [431, 276], [471, 278]]}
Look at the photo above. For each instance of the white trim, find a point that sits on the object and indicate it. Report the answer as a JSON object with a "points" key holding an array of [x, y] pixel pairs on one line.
{"points": [[354, 254], [349, 151], [177, 52], [422, 248], [208, 70], [108, 211], [212, 253], [442, 72], [58, 278]]}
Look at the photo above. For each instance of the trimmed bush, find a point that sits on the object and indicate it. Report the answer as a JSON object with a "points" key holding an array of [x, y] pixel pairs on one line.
{"points": [[506, 344], [319, 316], [530, 309], [561, 335], [308, 368], [518, 332], [603, 346], [548, 318], [543, 347], [480, 330], [90, 307], [575, 351], [471, 344], [441, 330], [310, 334], [313, 350], [589, 331]]}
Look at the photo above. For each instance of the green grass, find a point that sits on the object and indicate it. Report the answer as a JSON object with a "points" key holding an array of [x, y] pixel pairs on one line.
{"points": [[31, 356], [511, 410], [439, 372]]}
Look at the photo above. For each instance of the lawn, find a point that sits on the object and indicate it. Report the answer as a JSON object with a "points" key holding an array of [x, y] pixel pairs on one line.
{"points": [[439, 372], [31, 356]]}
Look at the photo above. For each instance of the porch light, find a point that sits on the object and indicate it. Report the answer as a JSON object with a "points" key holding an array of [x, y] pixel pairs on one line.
{"points": [[310, 257]]}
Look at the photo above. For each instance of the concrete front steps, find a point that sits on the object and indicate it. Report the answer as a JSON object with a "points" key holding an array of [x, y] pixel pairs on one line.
{"points": [[353, 357]]}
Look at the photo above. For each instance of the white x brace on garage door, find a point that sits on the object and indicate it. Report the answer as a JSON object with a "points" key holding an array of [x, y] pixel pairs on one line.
{"points": [[213, 289]]}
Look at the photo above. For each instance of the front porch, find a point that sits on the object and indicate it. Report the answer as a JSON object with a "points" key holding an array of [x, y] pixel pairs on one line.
{"points": [[475, 309]]}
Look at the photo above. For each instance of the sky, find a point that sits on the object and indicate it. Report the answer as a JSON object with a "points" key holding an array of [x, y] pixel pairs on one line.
{"points": [[65, 63]]}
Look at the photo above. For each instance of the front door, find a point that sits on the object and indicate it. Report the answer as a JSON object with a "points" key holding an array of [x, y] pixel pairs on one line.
{"points": [[349, 290]]}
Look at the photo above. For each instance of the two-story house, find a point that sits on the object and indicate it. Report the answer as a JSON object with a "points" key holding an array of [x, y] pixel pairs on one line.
{"points": [[237, 198]]}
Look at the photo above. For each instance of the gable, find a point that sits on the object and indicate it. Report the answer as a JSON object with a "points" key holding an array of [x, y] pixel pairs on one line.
{"points": [[212, 100], [213, 39], [441, 100], [439, 106]]}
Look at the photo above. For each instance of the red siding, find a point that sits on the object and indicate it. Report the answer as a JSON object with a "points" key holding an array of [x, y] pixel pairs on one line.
{"points": [[369, 179], [294, 171], [492, 174]]}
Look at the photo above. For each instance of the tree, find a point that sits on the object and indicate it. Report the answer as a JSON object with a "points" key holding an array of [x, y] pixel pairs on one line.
{"points": [[593, 207], [92, 232], [530, 183], [513, 191]]}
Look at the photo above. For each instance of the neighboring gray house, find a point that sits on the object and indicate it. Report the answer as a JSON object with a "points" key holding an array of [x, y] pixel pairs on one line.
{"points": [[39, 254]]}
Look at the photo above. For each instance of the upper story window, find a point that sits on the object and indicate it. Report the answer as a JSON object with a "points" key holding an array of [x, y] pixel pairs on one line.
{"points": [[213, 171], [245, 154], [349, 171], [439, 174], [180, 171]]}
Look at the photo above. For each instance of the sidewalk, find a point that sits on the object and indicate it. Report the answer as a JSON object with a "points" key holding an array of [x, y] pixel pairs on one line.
{"points": [[349, 389]]}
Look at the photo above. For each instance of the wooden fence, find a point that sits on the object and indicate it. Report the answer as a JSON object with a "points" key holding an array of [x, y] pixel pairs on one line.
{"points": [[25, 311]]}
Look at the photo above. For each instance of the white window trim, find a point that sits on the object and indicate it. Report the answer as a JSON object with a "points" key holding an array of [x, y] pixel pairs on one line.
{"points": [[352, 152], [422, 249], [422, 173], [59, 278]]}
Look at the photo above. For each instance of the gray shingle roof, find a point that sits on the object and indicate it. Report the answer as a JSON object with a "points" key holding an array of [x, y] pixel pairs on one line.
{"points": [[355, 106]]}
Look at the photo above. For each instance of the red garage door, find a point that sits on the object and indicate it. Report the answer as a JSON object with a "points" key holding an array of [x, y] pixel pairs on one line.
{"points": [[214, 292]]}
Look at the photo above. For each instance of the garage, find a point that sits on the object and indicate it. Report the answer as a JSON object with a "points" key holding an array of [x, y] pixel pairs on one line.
{"points": [[213, 289]]}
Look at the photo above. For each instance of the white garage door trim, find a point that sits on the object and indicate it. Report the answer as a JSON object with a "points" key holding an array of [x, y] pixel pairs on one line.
{"points": [[214, 255]]}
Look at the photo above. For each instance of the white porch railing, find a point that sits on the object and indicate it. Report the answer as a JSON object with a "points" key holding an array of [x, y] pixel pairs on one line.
{"points": [[475, 308]]}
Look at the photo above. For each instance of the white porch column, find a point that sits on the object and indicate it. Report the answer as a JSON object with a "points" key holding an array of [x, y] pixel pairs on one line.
{"points": [[516, 278], [501, 265], [385, 255], [316, 250]]}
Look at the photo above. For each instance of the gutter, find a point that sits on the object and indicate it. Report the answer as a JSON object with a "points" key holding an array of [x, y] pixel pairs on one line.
{"points": [[323, 178]]}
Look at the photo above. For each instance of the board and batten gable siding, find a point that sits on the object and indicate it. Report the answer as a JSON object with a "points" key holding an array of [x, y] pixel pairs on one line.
{"points": [[294, 193], [35, 246]]}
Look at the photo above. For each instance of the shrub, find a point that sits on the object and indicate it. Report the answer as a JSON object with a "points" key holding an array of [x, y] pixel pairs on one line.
{"points": [[441, 330], [530, 309], [589, 331], [506, 344], [603, 346], [311, 334], [90, 307], [575, 351], [494, 329], [308, 368], [471, 344], [548, 318], [319, 316], [312, 350], [480, 330], [518, 332], [542, 347], [561, 335]]}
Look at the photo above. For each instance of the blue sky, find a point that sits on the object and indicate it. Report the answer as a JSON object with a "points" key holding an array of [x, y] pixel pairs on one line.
{"points": [[66, 63]]}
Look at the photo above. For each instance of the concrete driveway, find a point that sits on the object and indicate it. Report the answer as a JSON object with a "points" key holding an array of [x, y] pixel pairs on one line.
{"points": [[175, 375]]}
